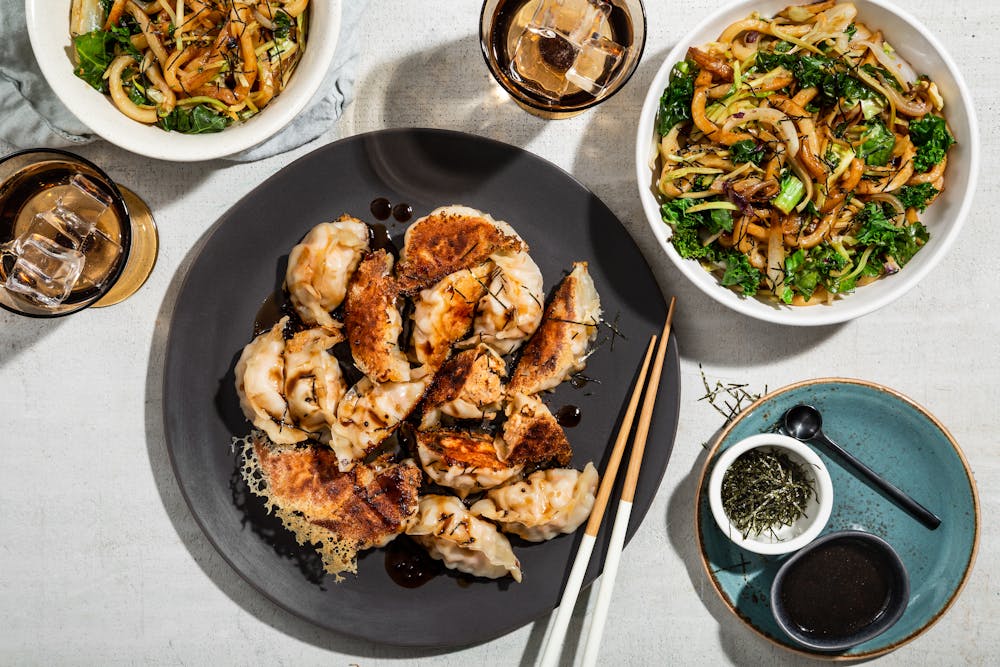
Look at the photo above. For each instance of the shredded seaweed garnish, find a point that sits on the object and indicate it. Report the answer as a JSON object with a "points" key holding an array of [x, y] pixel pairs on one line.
{"points": [[764, 490]]}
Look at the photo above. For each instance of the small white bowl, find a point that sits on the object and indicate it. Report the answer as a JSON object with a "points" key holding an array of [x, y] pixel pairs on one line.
{"points": [[944, 218], [787, 538], [48, 29]]}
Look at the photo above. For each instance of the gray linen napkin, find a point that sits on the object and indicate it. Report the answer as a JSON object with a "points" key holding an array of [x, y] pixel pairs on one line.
{"points": [[31, 115]]}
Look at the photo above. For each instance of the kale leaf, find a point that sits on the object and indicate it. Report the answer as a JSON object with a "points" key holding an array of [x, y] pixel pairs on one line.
{"points": [[675, 103], [747, 150], [931, 137], [899, 243], [198, 119], [830, 77], [917, 196], [739, 272]]}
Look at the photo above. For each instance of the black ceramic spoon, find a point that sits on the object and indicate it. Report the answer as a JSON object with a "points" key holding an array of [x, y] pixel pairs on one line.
{"points": [[804, 422]]}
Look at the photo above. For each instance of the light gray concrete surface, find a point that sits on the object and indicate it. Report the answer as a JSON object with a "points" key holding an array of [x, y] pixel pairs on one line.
{"points": [[101, 563]]}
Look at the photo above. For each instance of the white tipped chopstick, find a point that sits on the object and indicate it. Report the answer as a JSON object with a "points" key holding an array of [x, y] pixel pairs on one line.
{"points": [[556, 635], [617, 543]]}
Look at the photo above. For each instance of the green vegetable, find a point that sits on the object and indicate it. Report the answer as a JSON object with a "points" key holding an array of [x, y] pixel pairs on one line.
{"points": [[789, 195], [897, 243], [685, 237], [931, 137], [763, 490], [877, 144], [805, 271], [282, 24], [721, 220], [739, 272], [194, 120], [747, 150], [917, 196], [93, 54], [850, 31], [829, 75], [675, 103]]}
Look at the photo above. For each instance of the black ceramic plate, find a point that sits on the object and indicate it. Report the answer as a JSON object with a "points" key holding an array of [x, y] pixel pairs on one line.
{"points": [[240, 264]]}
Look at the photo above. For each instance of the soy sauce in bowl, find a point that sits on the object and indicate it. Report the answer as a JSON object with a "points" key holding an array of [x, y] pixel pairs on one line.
{"points": [[842, 590]]}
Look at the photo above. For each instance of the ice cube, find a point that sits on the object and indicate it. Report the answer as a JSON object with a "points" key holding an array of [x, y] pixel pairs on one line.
{"points": [[566, 47], [595, 66], [102, 253], [60, 225], [44, 270]]}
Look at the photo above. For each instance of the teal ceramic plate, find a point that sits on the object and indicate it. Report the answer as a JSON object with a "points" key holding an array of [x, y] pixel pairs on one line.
{"points": [[900, 440]]}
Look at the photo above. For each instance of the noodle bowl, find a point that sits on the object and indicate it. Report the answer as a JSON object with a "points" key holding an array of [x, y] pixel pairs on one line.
{"points": [[795, 156], [192, 66]]}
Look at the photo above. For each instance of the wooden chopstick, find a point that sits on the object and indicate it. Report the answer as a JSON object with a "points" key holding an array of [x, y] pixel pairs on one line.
{"points": [[617, 542], [557, 629], [560, 624]]}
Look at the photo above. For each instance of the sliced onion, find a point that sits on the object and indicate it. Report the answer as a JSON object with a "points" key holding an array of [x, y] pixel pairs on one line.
{"points": [[773, 117], [776, 258], [899, 68]]}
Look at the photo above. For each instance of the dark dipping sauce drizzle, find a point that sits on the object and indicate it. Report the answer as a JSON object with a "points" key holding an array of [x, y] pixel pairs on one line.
{"points": [[408, 564], [568, 416], [837, 589], [381, 208]]}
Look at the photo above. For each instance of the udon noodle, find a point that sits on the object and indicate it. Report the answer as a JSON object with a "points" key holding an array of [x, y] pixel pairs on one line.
{"points": [[796, 153], [189, 65]]}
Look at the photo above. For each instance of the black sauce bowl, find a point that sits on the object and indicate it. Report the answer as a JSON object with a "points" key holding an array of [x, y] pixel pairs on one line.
{"points": [[840, 591]]}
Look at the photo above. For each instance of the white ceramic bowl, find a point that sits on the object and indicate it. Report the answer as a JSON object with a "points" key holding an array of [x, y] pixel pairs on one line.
{"points": [[944, 218], [48, 29], [787, 538]]}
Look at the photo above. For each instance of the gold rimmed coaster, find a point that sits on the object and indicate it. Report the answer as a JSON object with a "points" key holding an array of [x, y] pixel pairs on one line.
{"points": [[142, 254]]}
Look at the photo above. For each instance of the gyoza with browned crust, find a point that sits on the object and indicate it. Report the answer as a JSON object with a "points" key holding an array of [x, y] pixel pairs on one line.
{"points": [[468, 386], [561, 345], [342, 513], [450, 239], [464, 461], [373, 321], [531, 435]]}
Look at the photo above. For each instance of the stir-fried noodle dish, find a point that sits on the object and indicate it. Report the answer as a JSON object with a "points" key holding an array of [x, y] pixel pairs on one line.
{"points": [[797, 153], [192, 66]]}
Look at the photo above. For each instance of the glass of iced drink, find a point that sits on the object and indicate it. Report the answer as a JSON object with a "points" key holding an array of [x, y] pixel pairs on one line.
{"points": [[69, 236], [558, 58]]}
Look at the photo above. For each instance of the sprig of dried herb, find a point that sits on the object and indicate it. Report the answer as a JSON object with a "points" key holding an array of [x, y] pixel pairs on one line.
{"points": [[764, 490], [733, 397]]}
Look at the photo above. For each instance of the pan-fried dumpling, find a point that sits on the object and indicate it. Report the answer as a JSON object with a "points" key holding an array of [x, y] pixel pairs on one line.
{"points": [[340, 513], [449, 239], [314, 383], [373, 322], [511, 309], [531, 435], [260, 384], [559, 347], [369, 413], [468, 386], [443, 313], [547, 503], [462, 541], [463, 461], [320, 267]]}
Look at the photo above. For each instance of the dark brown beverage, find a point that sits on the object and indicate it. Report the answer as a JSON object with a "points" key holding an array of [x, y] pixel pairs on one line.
{"points": [[561, 56], [64, 233]]}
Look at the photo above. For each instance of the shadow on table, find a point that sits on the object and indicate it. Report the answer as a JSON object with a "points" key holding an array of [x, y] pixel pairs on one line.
{"points": [[204, 554], [450, 87], [21, 333], [605, 163], [741, 644]]}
